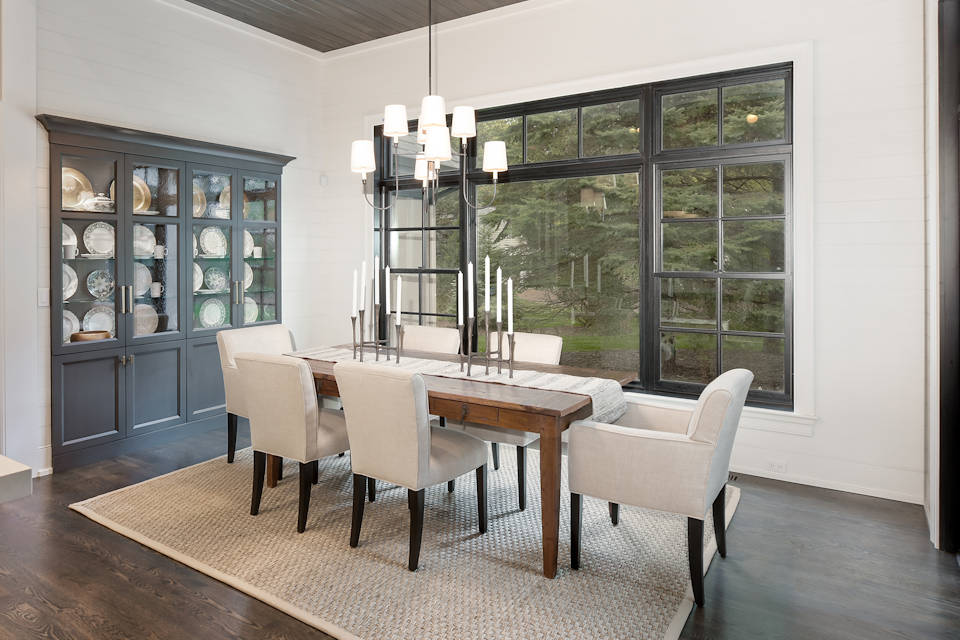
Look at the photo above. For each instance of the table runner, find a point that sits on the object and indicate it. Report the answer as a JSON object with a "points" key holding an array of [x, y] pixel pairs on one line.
{"points": [[607, 395]]}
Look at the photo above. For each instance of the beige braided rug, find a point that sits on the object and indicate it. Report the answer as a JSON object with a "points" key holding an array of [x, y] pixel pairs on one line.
{"points": [[633, 582]]}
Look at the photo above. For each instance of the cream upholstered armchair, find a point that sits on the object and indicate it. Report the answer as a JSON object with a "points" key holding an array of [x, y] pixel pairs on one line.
{"points": [[436, 339], [273, 338], [392, 439], [668, 460], [287, 421]]}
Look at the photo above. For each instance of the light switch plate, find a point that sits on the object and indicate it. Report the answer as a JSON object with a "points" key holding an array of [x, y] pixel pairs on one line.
{"points": [[43, 297]]}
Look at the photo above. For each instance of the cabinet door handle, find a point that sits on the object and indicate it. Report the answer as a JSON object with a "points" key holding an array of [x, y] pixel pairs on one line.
{"points": [[239, 301], [123, 360], [130, 291], [130, 359], [123, 300]]}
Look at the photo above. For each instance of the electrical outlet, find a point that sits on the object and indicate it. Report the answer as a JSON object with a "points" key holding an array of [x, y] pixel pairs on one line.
{"points": [[43, 297], [777, 466]]}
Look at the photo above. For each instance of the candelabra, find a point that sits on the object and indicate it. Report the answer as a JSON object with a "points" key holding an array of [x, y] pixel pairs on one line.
{"points": [[377, 344], [487, 353]]}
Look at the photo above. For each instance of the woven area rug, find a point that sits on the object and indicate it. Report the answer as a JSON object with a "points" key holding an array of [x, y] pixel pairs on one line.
{"points": [[633, 582]]}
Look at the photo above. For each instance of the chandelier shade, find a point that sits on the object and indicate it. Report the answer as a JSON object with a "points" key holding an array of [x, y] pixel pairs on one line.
{"points": [[437, 146], [464, 122], [395, 121], [433, 112], [362, 158], [494, 157]]}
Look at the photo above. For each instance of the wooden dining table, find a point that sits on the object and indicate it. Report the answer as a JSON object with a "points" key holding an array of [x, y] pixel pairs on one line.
{"points": [[544, 412]]}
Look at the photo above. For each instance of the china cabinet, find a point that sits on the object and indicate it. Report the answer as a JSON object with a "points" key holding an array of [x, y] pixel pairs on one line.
{"points": [[156, 244]]}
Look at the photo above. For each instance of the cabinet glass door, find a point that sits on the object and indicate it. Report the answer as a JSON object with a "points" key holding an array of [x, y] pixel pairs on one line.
{"points": [[89, 277], [88, 182], [155, 282], [212, 276], [260, 278], [155, 190], [211, 194], [259, 199]]}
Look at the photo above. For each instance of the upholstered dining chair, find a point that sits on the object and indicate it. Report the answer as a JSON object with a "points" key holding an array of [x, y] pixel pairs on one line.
{"points": [[437, 339], [668, 460], [287, 421], [272, 338], [392, 439], [539, 348]]}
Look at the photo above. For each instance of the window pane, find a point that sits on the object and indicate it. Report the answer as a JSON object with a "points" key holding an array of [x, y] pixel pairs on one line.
{"points": [[689, 246], [439, 321], [689, 193], [753, 112], [753, 189], [552, 136], [407, 209], [689, 119], [572, 247], [763, 356], [611, 129], [443, 249], [440, 294], [446, 213], [688, 357], [510, 130], [688, 302], [753, 305], [410, 300], [753, 245], [405, 249]]}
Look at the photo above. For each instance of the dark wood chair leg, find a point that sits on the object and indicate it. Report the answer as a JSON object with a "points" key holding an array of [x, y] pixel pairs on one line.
{"points": [[495, 448], [720, 520], [372, 489], [259, 471], [695, 555], [415, 501], [279, 464], [482, 497], [450, 485], [341, 454], [231, 436], [443, 421], [306, 484], [576, 523], [315, 470], [359, 498], [522, 476], [614, 513]]}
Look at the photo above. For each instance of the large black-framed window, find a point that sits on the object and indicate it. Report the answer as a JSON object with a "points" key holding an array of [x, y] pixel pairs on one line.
{"points": [[650, 226]]}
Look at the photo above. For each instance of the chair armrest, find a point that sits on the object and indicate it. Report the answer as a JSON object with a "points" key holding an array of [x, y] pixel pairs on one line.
{"points": [[647, 416]]}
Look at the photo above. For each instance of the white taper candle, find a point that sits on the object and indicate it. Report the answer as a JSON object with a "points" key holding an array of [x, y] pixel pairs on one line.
{"points": [[459, 297], [469, 290], [499, 293], [386, 280], [486, 284], [363, 285], [510, 305], [399, 299], [353, 307], [376, 279]]}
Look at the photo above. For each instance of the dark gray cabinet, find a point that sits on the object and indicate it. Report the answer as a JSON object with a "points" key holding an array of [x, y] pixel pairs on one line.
{"points": [[158, 243]]}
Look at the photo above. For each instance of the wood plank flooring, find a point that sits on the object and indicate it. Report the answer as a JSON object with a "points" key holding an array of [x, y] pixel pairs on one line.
{"points": [[802, 563]]}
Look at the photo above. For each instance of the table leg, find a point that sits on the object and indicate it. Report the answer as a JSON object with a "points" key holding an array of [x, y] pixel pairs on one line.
{"points": [[550, 498], [273, 470]]}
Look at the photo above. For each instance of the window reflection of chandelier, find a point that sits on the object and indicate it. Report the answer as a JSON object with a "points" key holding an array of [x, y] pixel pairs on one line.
{"points": [[433, 137]]}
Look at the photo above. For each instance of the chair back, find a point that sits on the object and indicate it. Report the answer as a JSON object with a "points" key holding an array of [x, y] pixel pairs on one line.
{"points": [[715, 421], [282, 402], [271, 338], [437, 339], [541, 348], [387, 421]]}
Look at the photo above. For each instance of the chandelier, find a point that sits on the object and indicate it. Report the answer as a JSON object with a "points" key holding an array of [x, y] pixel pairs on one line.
{"points": [[433, 138]]}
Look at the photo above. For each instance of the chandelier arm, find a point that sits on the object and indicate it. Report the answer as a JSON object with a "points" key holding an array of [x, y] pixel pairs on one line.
{"points": [[396, 183], [478, 205]]}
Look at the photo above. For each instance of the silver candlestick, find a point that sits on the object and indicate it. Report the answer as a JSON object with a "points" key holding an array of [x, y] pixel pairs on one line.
{"points": [[353, 333], [510, 338], [460, 331]]}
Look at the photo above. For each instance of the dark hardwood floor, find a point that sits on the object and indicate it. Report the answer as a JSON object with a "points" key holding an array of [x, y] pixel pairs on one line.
{"points": [[801, 563]]}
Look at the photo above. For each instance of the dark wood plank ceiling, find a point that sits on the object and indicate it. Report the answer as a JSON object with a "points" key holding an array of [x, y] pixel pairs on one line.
{"points": [[326, 25]]}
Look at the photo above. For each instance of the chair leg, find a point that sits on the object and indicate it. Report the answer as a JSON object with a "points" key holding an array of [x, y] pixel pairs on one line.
{"points": [[231, 436], [259, 471], [316, 471], [415, 501], [719, 521], [450, 485], [482, 497], [359, 498], [443, 421], [576, 523], [522, 476], [614, 513], [307, 471], [341, 454], [695, 556], [279, 468], [495, 448], [372, 489]]}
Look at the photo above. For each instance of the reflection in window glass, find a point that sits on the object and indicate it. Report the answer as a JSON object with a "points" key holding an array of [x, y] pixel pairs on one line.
{"points": [[407, 209], [440, 294], [689, 193], [689, 119], [688, 302], [753, 189], [688, 357], [762, 356], [753, 245], [405, 249], [753, 305], [611, 129], [510, 130], [552, 136], [754, 112], [572, 246], [689, 246]]}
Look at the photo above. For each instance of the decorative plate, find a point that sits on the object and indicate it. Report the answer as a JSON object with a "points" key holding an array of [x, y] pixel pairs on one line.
{"points": [[213, 313], [195, 250], [215, 278], [71, 324], [74, 188], [100, 284], [251, 312], [247, 244], [68, 237], [143, 241], [199, 200], [99, 318], [98, 238], [269, 312], [247, 276], [141, 194], [197, 277], [145, 319], [142, 278], [213, 242], [70, 282]]}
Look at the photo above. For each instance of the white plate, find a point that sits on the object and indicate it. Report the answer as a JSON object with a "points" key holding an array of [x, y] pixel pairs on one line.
{"points": [[145, 319], [251, 311], [68, 235], [99, 238], [215, 279], [247, 276], [71, 324], [213, 313], [70, 282], [247, 244], [142, 278], [100, 284], [99, 318], [197, 277], [213, 242], [144, 241], [74, 188]]}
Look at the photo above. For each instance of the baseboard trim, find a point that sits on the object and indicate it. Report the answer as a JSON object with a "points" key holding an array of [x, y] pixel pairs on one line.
{"points": [[829, 484]]}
